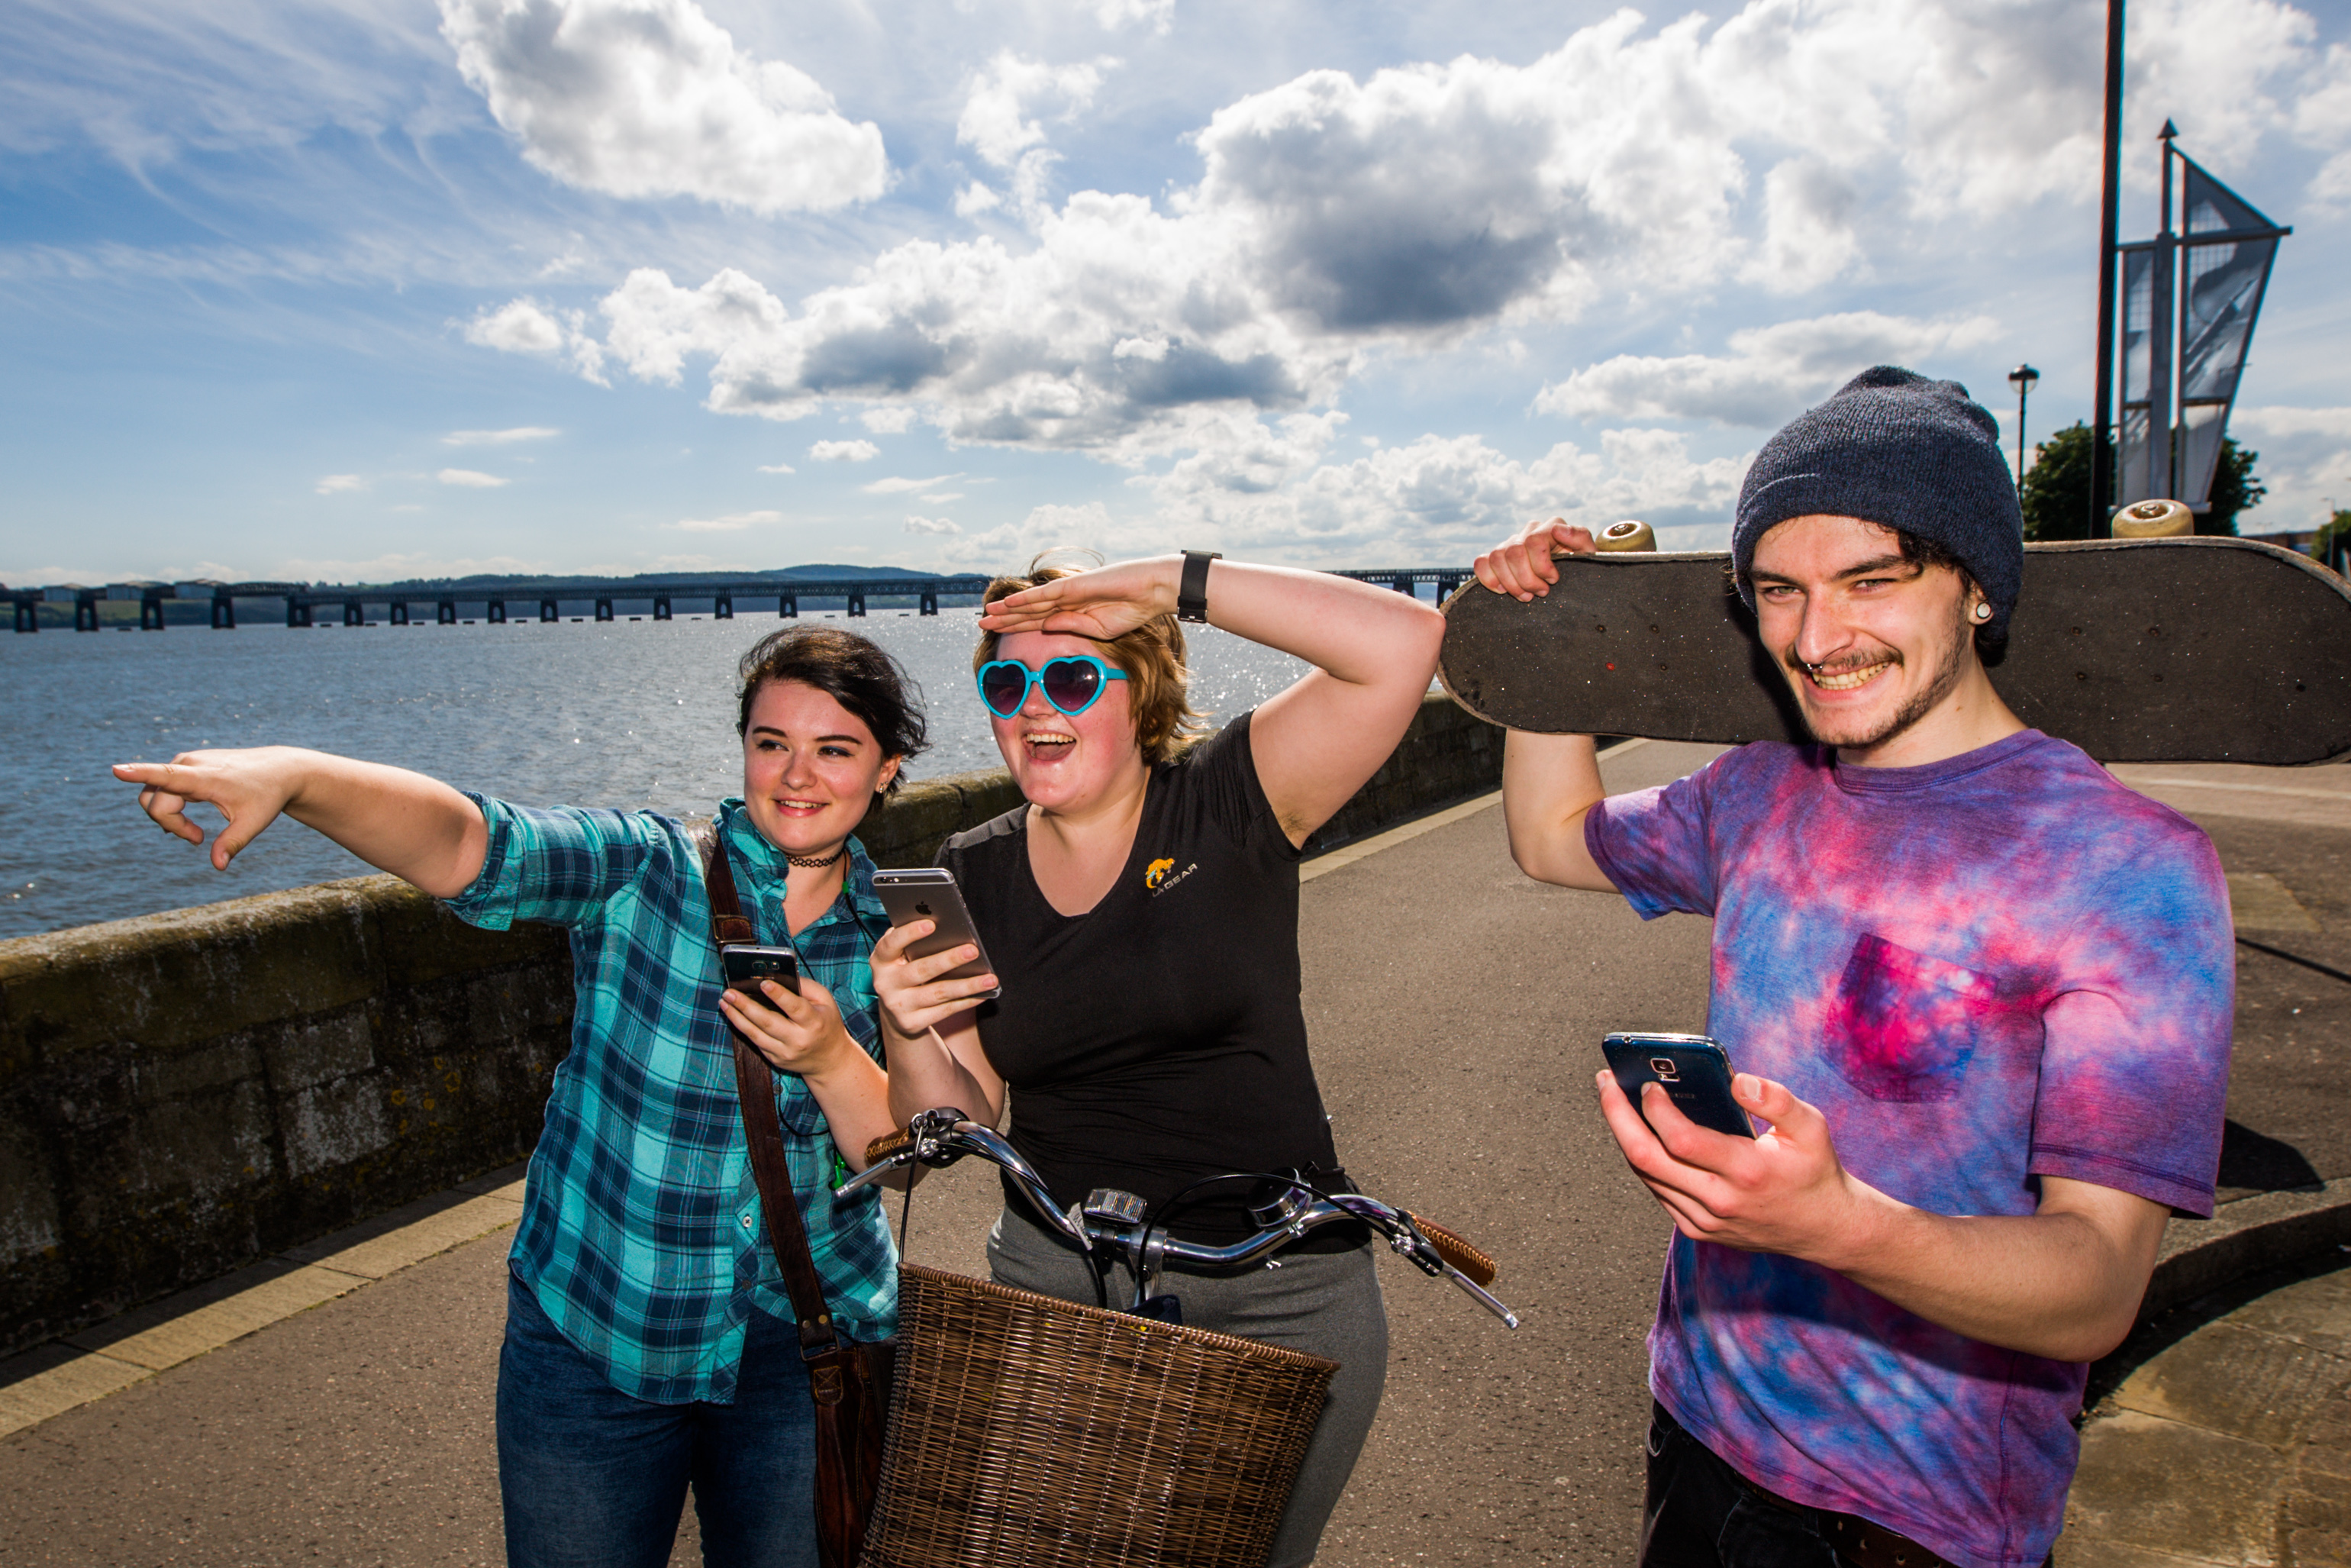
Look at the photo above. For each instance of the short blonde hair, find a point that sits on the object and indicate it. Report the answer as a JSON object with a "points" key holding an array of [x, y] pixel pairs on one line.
{"points": [[1152, 654]]}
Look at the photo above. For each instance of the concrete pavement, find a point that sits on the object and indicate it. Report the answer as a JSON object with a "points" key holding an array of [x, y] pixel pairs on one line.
{"points": [[1457, 1011]]}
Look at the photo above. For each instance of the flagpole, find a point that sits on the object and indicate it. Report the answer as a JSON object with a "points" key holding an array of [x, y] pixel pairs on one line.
{"points": [[2102, 468]]}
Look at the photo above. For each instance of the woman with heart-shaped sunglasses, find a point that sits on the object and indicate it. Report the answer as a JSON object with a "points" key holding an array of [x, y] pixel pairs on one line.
{"points": [[1142, 914]]}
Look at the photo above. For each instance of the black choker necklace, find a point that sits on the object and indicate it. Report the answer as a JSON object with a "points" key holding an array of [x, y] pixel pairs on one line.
{"points": [[814, 861]]}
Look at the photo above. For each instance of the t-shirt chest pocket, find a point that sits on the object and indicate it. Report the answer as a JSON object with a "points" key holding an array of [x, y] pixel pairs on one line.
{"points": [[1903, 1027]]}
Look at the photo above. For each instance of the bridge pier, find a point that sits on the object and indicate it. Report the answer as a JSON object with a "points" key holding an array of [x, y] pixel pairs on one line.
{"points": [[86, 611], [354, 613], [604, 607], [930, 601], [28, 613], [399, 612], [857, 601], [722, 607], [497, 612], [298, 613], [548, 611], [444, 612], [224, 613], [151, 613], [788, 607], [660, 607]]}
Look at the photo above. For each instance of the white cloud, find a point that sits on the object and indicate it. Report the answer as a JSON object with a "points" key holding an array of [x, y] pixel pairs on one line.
{"points": [[997, 123], [943, 497], [845, 452], [2306, 461], [732, 522], [1160, 14], [526, 327], [1771, 374], [471, 479], [651, 98], [336, 484], [930, 525], [777, 469], [1336, 218], [994, 122], [885, 420], [1808, 238], [499, 437], [1269, 491], [900, 486], [2286, 423]]}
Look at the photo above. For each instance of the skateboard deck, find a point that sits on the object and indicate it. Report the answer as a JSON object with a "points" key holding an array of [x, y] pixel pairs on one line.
{"points": [[2175, 650]]}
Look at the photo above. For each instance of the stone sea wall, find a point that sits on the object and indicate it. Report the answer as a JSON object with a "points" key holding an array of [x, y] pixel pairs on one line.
{"points": [[183, 1093]]}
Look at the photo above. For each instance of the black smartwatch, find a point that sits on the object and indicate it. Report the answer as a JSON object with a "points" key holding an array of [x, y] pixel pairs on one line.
{"points": [[1191, 594]]}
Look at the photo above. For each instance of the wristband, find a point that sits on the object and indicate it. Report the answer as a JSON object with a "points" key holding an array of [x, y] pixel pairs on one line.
{"points": [[1191, 594]]}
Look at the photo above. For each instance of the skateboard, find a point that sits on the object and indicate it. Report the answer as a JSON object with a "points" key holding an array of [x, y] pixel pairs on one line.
{"points": [[2151, 649]]}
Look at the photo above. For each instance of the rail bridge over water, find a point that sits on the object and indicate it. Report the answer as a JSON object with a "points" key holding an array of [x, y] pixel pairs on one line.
{"points": [[603, 597]]}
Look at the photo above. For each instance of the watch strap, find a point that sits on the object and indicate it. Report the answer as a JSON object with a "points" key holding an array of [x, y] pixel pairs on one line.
{"points": [[1191, 594]]}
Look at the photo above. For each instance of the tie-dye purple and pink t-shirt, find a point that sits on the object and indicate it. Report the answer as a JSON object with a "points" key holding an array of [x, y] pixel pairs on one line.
{"points": [[1994, 967]]}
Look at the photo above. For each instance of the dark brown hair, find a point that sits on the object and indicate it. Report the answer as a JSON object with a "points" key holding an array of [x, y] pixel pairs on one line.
{"points": [[1152, 655], [855, 671]]}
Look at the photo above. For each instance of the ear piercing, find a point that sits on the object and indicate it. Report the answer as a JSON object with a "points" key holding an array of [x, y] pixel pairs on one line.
{"points": [[1983, 611]]}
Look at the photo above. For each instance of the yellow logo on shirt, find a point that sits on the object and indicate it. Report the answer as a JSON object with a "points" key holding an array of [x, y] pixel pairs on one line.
{"points": [[1157, 870]]}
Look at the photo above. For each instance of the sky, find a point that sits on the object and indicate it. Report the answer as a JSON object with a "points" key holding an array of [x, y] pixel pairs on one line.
{"points": [[355, 290]]}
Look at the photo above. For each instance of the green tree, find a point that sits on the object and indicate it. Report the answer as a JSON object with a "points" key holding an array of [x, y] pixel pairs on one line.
{"points": [[2234, 489], [2339, 527], [2056, 491]]}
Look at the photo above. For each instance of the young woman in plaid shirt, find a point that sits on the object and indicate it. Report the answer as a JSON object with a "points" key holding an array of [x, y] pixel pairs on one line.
{"points": [[649, 1341]]}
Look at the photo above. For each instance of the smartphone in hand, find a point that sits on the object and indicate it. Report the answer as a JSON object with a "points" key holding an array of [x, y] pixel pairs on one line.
{"points": [[929, 893], [747, 965], [1692, 1069]]}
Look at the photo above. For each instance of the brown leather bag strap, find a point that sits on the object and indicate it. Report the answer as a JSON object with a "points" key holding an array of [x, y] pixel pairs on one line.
{"points": [[727, 922], [754, 1091]]}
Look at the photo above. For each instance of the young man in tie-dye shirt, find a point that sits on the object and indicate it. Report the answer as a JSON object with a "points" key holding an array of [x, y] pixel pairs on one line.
{"points": [[1979, 992]]}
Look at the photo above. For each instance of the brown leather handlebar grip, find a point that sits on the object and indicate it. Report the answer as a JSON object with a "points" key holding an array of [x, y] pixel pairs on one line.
{"points": [[1481, 1269], [889, 1144]]}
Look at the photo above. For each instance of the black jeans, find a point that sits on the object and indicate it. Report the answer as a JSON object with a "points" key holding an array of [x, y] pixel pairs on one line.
{"points": [[1697, 1514]]}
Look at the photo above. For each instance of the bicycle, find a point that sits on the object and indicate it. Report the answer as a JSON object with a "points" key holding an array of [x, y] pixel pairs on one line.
{"points": [[1031, 1431]]}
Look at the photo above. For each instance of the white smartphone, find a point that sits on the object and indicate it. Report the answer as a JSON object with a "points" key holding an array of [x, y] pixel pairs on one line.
{"points": [[929, 893]]}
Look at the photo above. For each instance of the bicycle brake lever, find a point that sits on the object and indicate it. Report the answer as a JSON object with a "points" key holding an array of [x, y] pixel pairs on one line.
{"points": [[1479, 1294]]}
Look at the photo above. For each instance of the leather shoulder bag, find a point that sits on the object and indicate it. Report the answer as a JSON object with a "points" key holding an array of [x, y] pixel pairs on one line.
{"points": [[849, 1380]]}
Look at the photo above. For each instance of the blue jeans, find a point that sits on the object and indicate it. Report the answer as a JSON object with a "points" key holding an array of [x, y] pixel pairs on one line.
{"points": [[595, 1478]]}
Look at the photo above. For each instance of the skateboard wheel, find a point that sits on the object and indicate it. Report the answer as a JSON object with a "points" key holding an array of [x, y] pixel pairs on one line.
{"points": [[2154, 519], [1630, 534]]}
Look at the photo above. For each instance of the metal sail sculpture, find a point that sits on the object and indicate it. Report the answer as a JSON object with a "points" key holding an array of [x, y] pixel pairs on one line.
{"points": [[2188, 304]]}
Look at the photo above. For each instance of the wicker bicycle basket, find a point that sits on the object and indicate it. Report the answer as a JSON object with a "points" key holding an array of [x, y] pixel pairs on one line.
{"points": [[1033, 1433]]}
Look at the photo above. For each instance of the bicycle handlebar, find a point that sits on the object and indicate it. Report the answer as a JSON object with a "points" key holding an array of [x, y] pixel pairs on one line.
{"points": [[941, 1137]]}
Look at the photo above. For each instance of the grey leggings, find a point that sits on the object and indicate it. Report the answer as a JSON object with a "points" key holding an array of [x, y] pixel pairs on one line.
{"points": [[1324, 1303]]}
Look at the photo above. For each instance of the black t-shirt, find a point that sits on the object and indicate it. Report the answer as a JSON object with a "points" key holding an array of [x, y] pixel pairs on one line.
{"points": [[1157, 1039]]}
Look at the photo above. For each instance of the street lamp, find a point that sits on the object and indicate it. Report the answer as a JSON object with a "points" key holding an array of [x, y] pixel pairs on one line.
{"points": [[2023, 379]]}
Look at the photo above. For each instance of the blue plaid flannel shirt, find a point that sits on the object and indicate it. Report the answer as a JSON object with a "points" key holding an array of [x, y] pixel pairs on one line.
{"points": [[641, 1233]]}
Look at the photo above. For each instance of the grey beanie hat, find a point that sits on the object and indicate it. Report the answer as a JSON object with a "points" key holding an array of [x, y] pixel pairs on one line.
{"points": [[1894, 448]]}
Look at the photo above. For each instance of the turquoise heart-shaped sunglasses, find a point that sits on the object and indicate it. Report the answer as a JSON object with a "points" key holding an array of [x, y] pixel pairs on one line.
{"points": [[1071, 683]]}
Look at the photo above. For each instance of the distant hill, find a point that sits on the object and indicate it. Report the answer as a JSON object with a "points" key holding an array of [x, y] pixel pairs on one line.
{"points": [[642, 579]]}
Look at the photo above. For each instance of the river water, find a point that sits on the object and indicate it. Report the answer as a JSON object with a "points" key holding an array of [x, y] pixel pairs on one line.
{"points": [[634, 715]]}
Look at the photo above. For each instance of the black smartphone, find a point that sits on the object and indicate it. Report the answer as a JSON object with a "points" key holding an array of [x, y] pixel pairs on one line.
{"points": [[746, 966], [1693, 1070], [929, 893]]}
